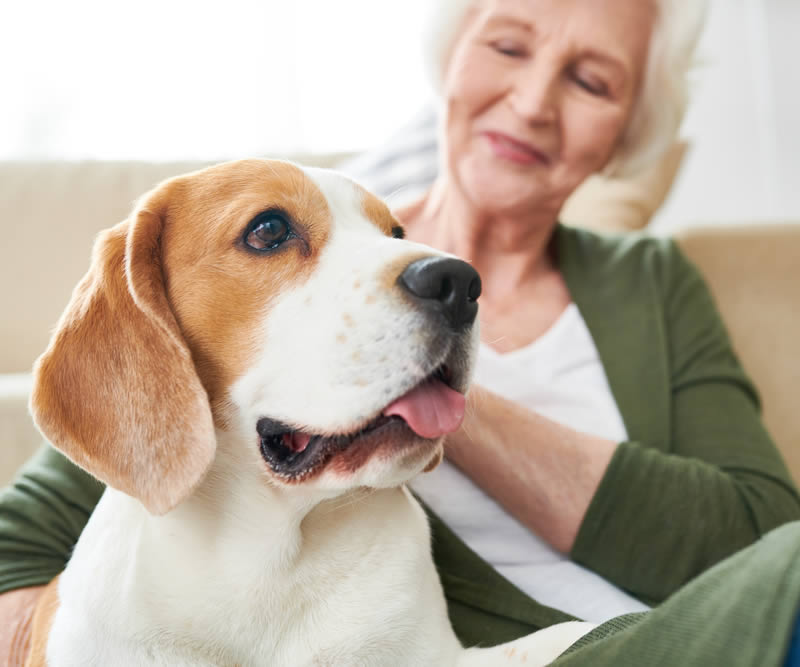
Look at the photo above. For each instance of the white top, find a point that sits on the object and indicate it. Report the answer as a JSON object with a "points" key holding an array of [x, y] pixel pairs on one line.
{"points": [[559, 376]]}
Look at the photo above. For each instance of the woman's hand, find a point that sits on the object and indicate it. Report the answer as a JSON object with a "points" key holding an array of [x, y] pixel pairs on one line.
{"points": [[16, 614], [543, 473]]}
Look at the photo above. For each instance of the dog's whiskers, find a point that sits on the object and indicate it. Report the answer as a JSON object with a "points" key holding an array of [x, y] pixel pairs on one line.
{"points": [[348, 501]]}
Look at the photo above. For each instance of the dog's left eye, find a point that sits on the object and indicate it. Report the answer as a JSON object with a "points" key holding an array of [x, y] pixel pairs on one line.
{"points": [[267, 231]]}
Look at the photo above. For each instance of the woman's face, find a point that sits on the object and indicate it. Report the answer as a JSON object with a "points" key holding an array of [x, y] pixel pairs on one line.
{"points": [[538, 93]]}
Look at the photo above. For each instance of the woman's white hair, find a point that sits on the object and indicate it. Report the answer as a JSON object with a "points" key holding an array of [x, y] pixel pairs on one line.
{"points": [[663, 98]]}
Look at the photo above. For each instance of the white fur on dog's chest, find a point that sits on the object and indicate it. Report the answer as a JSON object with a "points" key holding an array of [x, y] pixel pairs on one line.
{"points": [[356, 587]]}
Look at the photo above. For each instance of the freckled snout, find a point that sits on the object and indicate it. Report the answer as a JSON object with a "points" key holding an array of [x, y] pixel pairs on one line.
{"points": [[445, 285]]}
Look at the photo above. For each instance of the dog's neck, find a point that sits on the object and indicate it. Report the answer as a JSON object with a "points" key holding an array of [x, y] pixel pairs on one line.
{"points": [[239, 514], [238, 503]]}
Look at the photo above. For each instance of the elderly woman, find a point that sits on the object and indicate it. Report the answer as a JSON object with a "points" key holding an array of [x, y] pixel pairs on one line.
{"points": [[612, 449], [613, 432]]}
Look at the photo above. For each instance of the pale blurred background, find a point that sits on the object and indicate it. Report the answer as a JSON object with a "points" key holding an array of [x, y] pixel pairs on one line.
{"points": [[102, 99], [178, 80]]}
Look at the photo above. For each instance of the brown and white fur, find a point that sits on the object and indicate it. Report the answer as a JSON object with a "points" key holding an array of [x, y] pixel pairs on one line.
{"points": [[179, 351]]}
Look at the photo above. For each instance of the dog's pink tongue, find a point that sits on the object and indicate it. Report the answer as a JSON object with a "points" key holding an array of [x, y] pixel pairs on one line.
{"points": [[431, 409], [296, 441]]}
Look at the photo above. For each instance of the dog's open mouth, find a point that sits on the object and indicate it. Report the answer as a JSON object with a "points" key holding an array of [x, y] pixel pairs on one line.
{"points": [[428, 411]]}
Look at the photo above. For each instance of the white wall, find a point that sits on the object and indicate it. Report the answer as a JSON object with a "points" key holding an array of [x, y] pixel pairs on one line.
{"points": [[181, 79], [784, 62], [744, 121]]}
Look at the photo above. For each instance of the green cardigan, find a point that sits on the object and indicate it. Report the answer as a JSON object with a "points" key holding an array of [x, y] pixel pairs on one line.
{"points": [[698, 480]]}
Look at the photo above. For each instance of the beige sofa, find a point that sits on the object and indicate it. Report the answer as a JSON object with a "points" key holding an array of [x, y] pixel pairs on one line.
{"points": [[50, 213]]}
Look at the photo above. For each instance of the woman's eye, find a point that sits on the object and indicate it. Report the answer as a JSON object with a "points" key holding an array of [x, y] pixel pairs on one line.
{"points": [[508, 48], [591, 85], [267, 231]]}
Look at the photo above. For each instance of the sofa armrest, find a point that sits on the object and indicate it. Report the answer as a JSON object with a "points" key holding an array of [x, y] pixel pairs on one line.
{"points": [[18, 435], [754, 275]]}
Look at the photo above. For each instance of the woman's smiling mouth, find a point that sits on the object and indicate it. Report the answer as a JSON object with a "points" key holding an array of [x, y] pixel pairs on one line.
{"points": [[516, 151]]}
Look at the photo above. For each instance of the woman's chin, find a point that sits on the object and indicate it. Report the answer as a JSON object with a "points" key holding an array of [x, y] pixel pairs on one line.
{"points": [[497, 193]]}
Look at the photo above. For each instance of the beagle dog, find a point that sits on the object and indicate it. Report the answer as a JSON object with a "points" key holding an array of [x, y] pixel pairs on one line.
{"points": [[255, 364]]}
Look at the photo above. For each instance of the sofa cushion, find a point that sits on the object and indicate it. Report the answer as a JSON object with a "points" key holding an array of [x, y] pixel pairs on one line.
{"points": [[18, 435], [51, 212], [625, 204]]}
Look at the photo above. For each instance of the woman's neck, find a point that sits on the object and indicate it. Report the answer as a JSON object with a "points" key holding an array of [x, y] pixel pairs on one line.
{"points": [[508, 250]]}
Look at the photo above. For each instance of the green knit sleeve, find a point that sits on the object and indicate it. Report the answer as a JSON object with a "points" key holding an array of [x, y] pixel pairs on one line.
{"points": [[42, 514], [660, 518]]}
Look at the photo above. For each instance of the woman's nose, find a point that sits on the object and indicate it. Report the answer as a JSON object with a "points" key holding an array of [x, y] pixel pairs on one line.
{"points": [[534, 94]]}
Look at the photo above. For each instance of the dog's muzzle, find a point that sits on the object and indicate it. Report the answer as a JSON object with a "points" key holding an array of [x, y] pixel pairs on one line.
{"points": [[425, 413], [429, 405]]}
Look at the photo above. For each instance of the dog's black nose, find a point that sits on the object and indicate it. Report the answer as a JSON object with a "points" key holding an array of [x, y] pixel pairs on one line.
{"points": [[447, 285]]}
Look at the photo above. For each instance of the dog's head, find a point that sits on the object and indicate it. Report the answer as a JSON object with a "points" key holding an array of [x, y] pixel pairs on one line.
{"points": [[272, 302]]}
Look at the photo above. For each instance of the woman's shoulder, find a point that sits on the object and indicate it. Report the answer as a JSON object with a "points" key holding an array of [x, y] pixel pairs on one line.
{"points": [[613, 245], [598, 254]]}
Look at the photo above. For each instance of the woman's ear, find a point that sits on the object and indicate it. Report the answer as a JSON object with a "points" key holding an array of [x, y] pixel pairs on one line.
{"points": [[116, 390]]}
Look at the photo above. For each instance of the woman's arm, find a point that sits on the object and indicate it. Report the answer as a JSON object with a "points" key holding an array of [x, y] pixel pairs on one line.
{"points": [[42, 515], [659, 516], [720, 485], [547, 478], [16, 615]]}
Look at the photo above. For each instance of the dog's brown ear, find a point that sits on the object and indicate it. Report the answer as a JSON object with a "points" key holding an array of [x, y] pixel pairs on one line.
{"points": [[116, 390]]}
